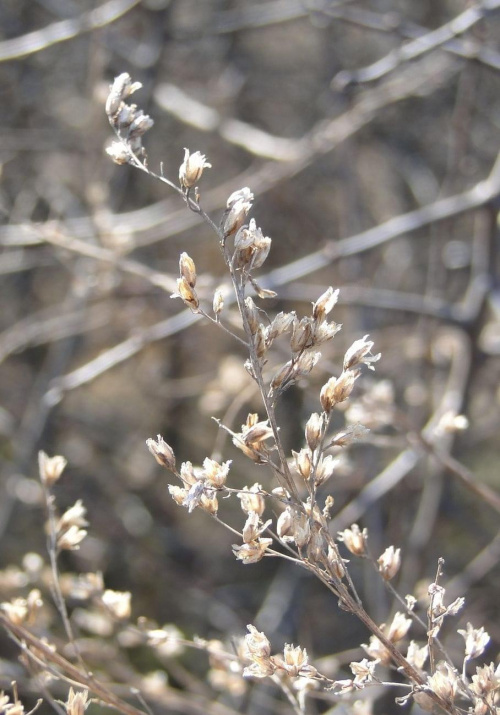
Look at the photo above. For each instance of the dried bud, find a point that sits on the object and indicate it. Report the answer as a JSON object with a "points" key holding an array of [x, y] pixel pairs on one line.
{"points": [[187, 269], [295, 661], [325, 303], [238, 206], [70, 539], [314, 428], [74, 516], [354, 539], [50, 468], [218, 301], [337, 389], [260, 341], [252, 315], [389, 563], [192, 168], [215, 473], [140, 125], [294, 526], [162, 452], [301, 335], [120, 90], [281, 323], [187, 294], [359, 353], [335, 563], [399, 627], [303, 462], [251, 500]]}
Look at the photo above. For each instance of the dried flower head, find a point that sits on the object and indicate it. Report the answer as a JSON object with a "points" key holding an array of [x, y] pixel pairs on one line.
{"points": [[354, 539], [162, 452], [476, 640], [50, 468], [77, 702], [253, 551], [192, 168], [325, 303], [252, 500], [359, 353], [389, 563]]}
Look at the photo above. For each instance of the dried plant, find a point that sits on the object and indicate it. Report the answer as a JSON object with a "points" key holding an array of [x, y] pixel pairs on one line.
{"points": [[286, 517]]}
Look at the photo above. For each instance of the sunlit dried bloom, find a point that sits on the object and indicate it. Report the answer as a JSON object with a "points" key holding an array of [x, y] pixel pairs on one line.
{"points": [[118, 152], [251, 247], [359, 353], [411, 602], [252, 314], [389, 563], [118, 603], [417, 655], [437, 610], [139, 125], [350, 434], [194, 496], [71, 539], [324, 331], [254, 527], [377, 650], [187, 269], [11, 708], [209, 503], [259, 341], [335, 563], [192, 168], [325, 303], [303, 462], [77, 703], [399, 627], [120, 90], [238, 206], [257, 644], [314, 431], [324, 469], [476, 640], [188, 474], [251, 500], [252, 552], [337, 389], [280, 324], [218, 301], [364, 672], [444, 682], [301, 335], [187, 294], [295, 662], [354, 539], [305, 363], [215, 473], [16, 610], [178, 494], [162, 452], [294, 526], [50, 468], [486, 680], [74, 516]]}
